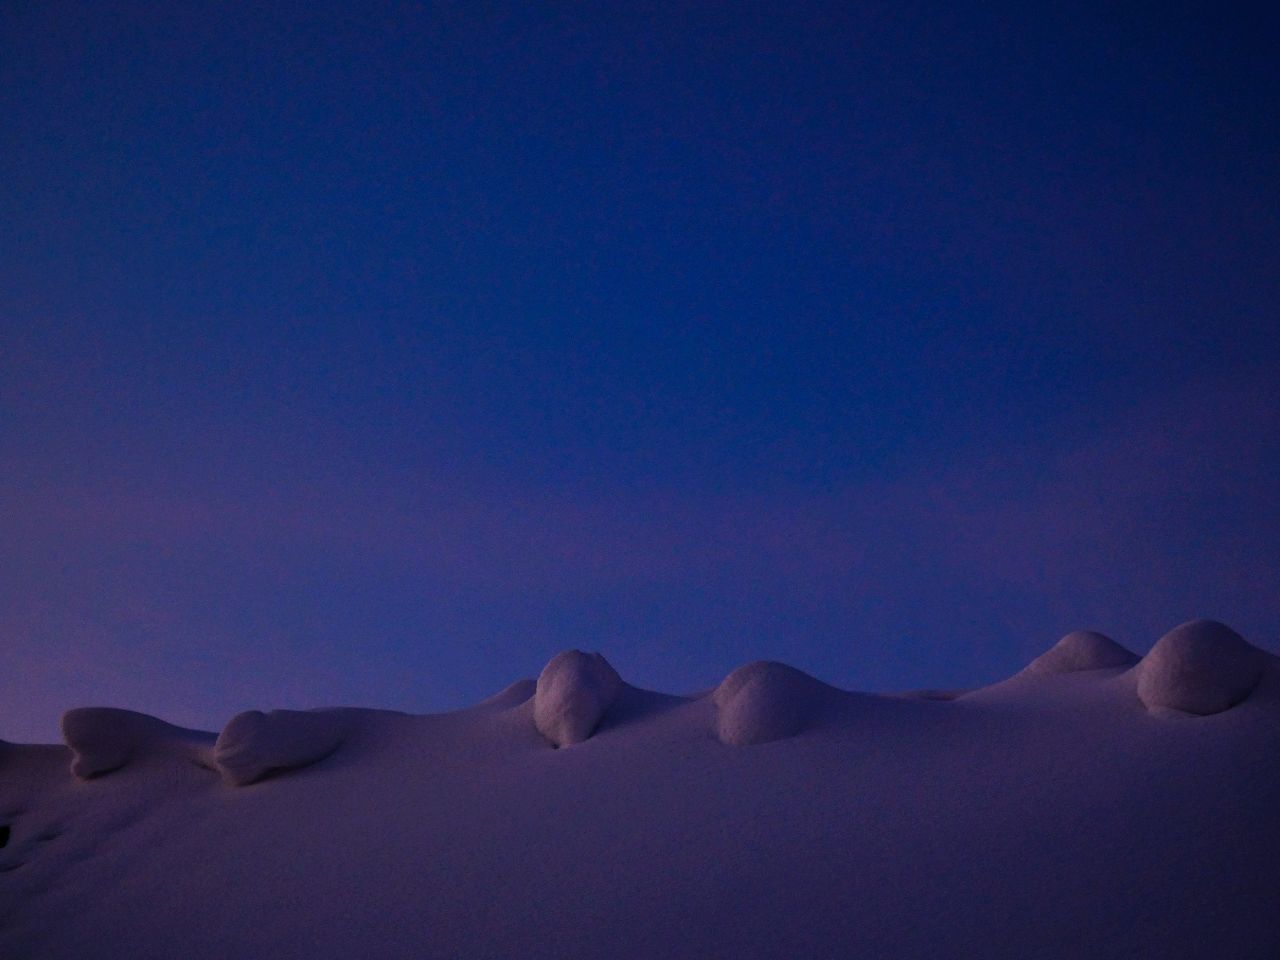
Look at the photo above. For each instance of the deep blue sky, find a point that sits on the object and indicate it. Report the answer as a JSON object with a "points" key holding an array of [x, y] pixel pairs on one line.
{"points": [[372, 353]]}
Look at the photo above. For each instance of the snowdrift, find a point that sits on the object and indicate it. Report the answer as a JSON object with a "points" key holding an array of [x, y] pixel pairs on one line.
{"points": [[1087, 806]]}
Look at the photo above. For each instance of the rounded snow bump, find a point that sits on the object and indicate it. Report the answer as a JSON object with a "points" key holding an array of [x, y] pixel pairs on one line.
{"points": [[572, 694], [254, 744], [104, 739], [1082, 650], [765, 701], [1201, 667]]}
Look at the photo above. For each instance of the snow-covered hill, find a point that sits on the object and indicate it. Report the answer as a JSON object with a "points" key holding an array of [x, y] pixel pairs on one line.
{"points": [[1086, 807]]}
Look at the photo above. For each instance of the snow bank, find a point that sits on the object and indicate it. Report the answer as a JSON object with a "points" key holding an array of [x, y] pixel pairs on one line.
{"points": [[573, 692], [103, 739], [1201, 667], [933, 693], [1082, 650], [254, 744], [510, 696], [765, 701], [1047, 820]]}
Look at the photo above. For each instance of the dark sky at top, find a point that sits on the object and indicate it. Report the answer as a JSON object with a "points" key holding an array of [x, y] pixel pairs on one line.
{"points": [[373, 352]]}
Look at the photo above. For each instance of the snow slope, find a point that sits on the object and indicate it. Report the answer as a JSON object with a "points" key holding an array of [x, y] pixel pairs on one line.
{"points": [[1054, 814]]}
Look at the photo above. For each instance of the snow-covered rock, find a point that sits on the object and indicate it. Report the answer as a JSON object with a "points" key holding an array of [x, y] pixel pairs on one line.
{"points": [[573, 692], [103, 739], [1082, 650], [254, 744], [765, 701], [1200, 667]]}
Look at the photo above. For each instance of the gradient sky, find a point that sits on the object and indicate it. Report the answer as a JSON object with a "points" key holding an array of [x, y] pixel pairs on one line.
{"points": [[370, 353]]}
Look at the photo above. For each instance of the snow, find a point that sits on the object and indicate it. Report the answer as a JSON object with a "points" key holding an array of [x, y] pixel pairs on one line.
{"points": [[1082, 650], [254, 744], [104, 739], [1201, 667], [1052, 815], [512, 696], [765, 701], [573, 692]]}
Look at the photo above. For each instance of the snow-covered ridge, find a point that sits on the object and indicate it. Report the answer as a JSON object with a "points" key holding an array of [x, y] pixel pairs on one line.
{"points": [[1197, 669], [1089, 805]]}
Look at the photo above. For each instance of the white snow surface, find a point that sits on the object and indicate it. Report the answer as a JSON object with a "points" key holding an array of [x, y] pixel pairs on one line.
{"points": [[104, 739], [1200, 667], [1082, 650], [1052, 815], [573, 692], [254, 744], [766, 701]]}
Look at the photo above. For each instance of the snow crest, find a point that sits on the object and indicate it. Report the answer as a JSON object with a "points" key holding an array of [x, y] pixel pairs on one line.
{"points": [[1201, 667], [765, 701], [104, 739], [254, 744], [1082, 650], [573, 692], [510, 696]]}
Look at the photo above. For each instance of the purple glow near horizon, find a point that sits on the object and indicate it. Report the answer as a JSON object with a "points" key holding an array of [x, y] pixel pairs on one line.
{"points": [[374, 360]]}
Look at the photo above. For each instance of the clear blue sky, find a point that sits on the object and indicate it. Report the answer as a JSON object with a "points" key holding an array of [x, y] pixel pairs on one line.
{"points": [[372, 353]]}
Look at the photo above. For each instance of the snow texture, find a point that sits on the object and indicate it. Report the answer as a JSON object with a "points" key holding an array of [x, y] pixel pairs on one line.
{"points": [[1201, 667], [573, 692], [254, 744], [1082, 650], [1025, 819], [104, 739], [765, 701], [934, 694], [511, 696]]}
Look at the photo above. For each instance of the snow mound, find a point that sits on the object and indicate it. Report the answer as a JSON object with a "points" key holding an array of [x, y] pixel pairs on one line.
{"points": [[887, 827], [573, 692], [1082, 650], [1200, 667], [931, 693], [104, 739], [765, 701], [510, 696], [254, 744]]}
